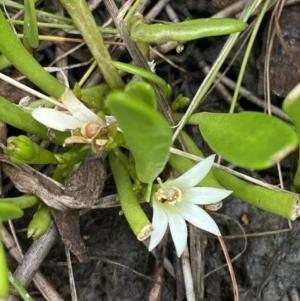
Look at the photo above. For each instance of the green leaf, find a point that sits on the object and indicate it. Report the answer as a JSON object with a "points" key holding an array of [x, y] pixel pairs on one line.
{"points": [[291, 106], [141, 92], [248, 139], [9, 211], [147, 133]]}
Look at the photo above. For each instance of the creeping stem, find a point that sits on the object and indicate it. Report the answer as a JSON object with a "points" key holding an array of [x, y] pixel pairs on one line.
{"points": [[133, 212], [186, 31]]}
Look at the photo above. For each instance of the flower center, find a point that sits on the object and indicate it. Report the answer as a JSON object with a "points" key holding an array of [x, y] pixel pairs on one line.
{"points": [[172, 195]]}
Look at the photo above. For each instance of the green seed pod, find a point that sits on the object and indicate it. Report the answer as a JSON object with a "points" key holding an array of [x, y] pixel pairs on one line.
{"points": [[180, 102], [22, 150], [39, 223]]}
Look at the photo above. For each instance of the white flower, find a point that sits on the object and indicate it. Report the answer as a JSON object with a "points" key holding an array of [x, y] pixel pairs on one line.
{"points": [[62, 120], [176, 201]]}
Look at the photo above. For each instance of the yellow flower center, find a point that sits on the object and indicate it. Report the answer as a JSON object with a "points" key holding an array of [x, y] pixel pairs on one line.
{"points": [[172, 195]]}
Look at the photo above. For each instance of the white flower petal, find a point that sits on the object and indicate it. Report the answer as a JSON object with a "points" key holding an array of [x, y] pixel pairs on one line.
{"points": [[78, 109], [193, 176], [204, 195], [198, 217], [178, 229], [159, 223], [56, 120]]}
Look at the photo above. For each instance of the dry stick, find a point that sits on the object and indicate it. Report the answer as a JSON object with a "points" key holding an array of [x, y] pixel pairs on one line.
{"points": [[34, 257], [71, 276], [40, 281], [171, 13], [179, 278], [245, 93], [187, 273], [231, 271], [197, 246], [237, 256], [231, 10], [155, 292], [252, 97], [156, 9], [220, 87]]}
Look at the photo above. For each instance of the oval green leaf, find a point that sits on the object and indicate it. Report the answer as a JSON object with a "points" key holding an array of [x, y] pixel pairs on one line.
{"points": [[249, 139], [9, 211], [147, 133], [291, 106], [141, 92]]}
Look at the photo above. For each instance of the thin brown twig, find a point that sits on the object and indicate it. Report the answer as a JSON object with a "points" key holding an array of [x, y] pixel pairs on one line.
{"points": [[40, 281], [155, 292], [231, 271], [244, 235]]}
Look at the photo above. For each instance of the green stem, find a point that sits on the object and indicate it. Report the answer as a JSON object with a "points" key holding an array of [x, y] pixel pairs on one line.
{"points": [[4, 286], [65, 26], [12, 48], [23, 202], [165, 88], [247, 54], [39, 12], [136, 217], [85, 23], [19, 287], [278, 202], [18, 118]]}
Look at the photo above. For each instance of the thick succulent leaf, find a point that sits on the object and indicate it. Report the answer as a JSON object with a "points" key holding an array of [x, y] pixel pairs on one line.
{"points": [[147, 133], [141, 92], [291, 106], [248, 139], [9, 211]]}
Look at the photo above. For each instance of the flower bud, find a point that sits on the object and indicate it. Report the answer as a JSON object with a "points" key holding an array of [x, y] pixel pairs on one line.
{"points": [[39, 223], [22, 150], [180, 102]]}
